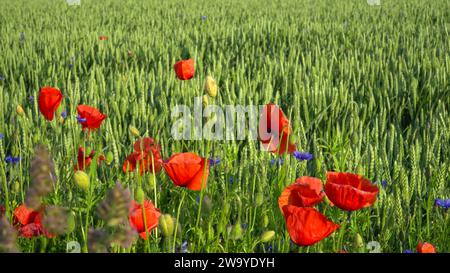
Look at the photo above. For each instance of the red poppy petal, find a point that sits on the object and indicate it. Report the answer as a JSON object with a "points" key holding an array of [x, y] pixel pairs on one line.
{"points": [[196, 183], [349, 191], [305, 192], [24, 215], [307, 226], [49, 100], [183, 167]]}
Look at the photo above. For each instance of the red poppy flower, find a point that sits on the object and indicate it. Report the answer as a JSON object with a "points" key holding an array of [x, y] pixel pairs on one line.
{"points": [[90, 117], [143, 150], [29, 222], [185, 69], [136, 217], [425, 248], [186, 170], [103, 38], [349, 191], [305, 192], [49, 100], [307, 226], [275, 130], [85, 161]]}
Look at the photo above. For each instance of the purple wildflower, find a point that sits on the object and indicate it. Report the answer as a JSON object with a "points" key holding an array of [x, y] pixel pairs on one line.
{"points": [[64, 114], [443, 203], [70, 66], [12, 159], [301, 156], [231, 180], [80, 119], [408, 251], [31, 98], [2, 78], [277, 162], [384, 183], [204, 17], [213, 162], [2, 136]]}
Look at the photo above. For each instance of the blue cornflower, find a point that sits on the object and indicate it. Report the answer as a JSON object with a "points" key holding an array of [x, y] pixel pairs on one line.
{"points": [[213, 162], [231, 180], [2, 136], [443, 203], [384, 183], [204, 17], [184, 247], [12, 159], [70, 66], [268, 247], [64, 114], [277, 162], [2, 78], [80, 119], [301, 156], [197, 199], [31, 98], [408, 251]]}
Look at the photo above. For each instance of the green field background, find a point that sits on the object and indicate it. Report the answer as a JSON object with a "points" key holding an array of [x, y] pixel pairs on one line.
{"points": [[367, 89]]}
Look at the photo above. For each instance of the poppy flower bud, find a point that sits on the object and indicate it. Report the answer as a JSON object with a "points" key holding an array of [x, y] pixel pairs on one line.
{"points": [[82, 180], [20, 110], [151, 182], [211, 86], [265, 221], [267, 236], [139, 195], [236, 231], [259, 199], [205, 100], [210, 233], [16, 186], [109, 157], [70, 222], [134, 131], [358, 241], [167, 225]]}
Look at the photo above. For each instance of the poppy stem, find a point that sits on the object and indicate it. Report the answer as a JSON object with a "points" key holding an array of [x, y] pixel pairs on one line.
{"points": [[5, 189], [154, 189], [178, 219]]}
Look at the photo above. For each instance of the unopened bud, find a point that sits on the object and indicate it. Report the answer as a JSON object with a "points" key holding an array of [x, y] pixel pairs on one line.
{"points": [[267, 236], [166, 224], [82, 180]]}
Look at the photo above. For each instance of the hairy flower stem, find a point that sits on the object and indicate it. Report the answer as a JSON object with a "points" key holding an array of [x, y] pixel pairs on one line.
{"points": [[178, 219], [154, 190]]}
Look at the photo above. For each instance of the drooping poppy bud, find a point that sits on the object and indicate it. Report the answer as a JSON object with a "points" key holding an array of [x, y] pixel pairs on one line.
{"points": [[134, 131], [139, 195], [20, 110], [211, 86], [49, 100], [185, 69], [267, 236]]}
